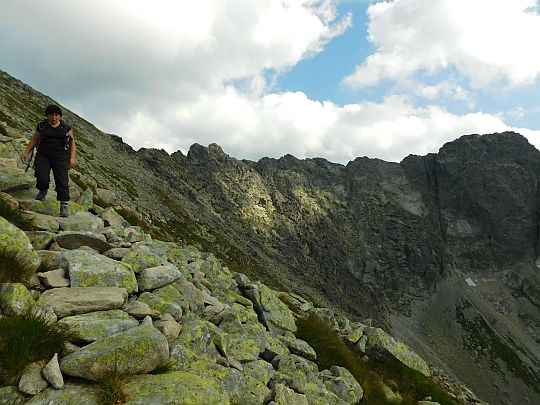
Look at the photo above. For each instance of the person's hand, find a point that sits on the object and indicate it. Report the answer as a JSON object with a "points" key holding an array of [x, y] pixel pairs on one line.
{"points": [[72, 163], [24, 157]]}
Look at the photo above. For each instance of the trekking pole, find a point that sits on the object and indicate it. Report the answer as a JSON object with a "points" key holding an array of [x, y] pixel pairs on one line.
{"points": [[29, 161]]}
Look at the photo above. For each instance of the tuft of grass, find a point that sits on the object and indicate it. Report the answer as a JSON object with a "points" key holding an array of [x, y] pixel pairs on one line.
{"points": [[25, 339], [112, 388], [14, 216], [331, 350], [14, 268]]}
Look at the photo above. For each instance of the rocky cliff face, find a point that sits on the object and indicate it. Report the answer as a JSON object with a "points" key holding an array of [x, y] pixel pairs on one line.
{"points": [[441, 248]]}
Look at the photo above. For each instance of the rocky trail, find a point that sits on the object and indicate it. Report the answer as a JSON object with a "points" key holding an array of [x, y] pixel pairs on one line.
{"points": [[138, 305]]}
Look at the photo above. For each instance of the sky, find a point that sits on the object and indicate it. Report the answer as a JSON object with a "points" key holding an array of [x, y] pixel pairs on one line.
{"points": [[337, 79]]}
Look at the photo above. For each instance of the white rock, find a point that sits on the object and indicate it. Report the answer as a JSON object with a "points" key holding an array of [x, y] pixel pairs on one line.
{"points": [[52, 373]]}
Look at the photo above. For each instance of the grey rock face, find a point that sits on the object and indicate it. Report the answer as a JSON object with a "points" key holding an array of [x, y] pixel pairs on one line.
{"points": [[52, 373]]}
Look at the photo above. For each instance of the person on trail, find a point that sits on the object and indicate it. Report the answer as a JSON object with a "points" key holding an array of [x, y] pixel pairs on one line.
{"points": [[56, 150]]}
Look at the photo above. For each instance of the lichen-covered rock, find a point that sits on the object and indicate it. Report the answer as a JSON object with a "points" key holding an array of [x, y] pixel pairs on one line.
{"points": [[99, 325], [15, 299], [32, 382], [11, 396], [82, 221], [52, 373], [54, 278], [77, 239], [180, 387], [344, 385], [303, 349], [73, 301], [113, 218], [271, 310], [136, 351], [144, 256], [283, 395], [140, 310], [14, 179], [237, 346], [155, 277], [49, 206], [380, 343], [286, 365], [260, 370], [40, 239], [42, 222], [90, 269], [14, 240], [252, 392], [116, 253], [194, 344], [162, 305], [70, 394]]}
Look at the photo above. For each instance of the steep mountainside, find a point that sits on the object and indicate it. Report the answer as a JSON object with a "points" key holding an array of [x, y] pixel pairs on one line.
{"points": [[441, 248]]}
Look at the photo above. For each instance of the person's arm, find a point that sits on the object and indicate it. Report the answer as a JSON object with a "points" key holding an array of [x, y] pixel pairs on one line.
{"points": [[72, 150], [34, 141]]}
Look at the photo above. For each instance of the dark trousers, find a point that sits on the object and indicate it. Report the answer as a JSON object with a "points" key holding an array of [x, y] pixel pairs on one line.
{"points": [[59, 163]]}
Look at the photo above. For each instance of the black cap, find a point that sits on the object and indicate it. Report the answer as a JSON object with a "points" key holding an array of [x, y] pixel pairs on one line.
{"points": [[53, 109]]}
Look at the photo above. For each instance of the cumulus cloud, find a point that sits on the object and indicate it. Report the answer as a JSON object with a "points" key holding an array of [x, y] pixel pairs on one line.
{"points": [[168, 73], [486, 41], [277, 124]]}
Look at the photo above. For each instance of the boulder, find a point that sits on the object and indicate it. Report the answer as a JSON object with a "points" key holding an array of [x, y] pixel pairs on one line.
{"points": [[14, 240], [303, 349], [194, 344], [117, 253], [135, 351], [283, 395], [161, 305], [11, 396], [78, 300], [155, 277], [140, 310], [54, 278], [169, 327], [82, 221], [90, 269], [70, 394], [42, 222], [32, 382], [179, 387], [52, 373], [238, 347], [344, 385], [98, 325], [113, 218], [380, 344], [40, 239], [143, 256], [274, 314], [49, 206], [77, 239], [15, 299]]}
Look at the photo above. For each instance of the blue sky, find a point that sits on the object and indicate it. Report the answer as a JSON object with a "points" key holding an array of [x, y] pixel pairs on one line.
{"points": [[314, 78]]}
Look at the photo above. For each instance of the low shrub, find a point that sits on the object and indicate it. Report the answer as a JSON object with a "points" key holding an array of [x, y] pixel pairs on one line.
{"points": [[14, 268], [332, 351], [25, 339]]}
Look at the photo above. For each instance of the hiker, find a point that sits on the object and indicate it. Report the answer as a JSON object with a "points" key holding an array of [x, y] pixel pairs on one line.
{"points": [[55, 150]]}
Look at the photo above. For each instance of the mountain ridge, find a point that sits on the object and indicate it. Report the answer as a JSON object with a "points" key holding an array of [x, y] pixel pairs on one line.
{"points": [[373, 239]]}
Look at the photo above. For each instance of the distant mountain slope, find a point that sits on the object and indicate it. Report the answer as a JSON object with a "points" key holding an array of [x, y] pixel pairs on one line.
{"points": [[440, 248]]}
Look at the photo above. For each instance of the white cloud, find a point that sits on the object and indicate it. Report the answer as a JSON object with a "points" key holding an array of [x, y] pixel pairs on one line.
{"points": [[172, 73], [484, 40], [277, 124]]}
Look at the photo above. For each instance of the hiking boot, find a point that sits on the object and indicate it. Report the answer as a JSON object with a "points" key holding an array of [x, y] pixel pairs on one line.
{"points": [[41, 195], [63, 209]]}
